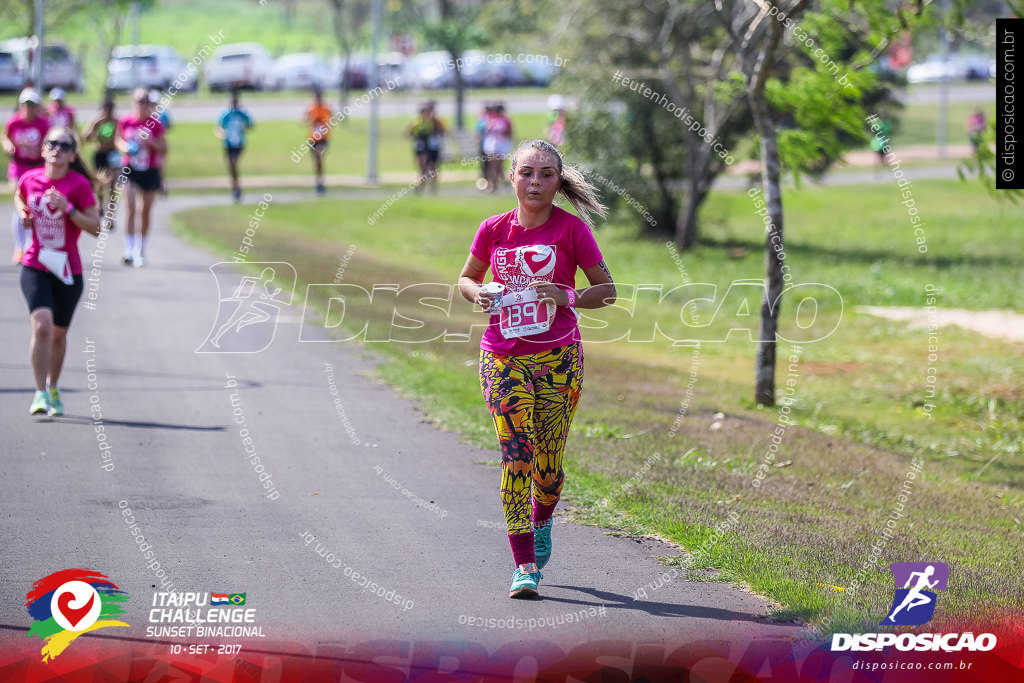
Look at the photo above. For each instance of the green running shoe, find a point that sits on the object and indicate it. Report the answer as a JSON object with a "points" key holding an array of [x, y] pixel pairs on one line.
{"points": [[524, 583], [542, 544], [56, 405], [40, 404]]}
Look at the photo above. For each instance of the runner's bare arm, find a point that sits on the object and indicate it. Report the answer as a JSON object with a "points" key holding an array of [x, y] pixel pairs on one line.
{"points": [[470, 281], [22, 208], [88, 220], [90, 132], [157, 143], [601, 291]]}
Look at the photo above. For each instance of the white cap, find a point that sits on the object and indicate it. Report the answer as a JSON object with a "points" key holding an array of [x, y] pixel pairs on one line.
{"points": [[29, 95], [154, 96], [57, 94], [556, 102]]}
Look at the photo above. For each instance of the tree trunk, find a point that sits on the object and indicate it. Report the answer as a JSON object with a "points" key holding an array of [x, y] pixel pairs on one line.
{"points": [[764, 364]]}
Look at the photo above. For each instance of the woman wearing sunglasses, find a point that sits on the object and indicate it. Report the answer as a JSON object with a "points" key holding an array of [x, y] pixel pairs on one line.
{"points": [[56, 202]]}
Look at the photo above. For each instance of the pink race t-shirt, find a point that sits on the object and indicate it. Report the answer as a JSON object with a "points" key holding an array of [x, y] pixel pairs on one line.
{"points": [[60, 117], [52, 228], [519, 256], [133, 129], [27, 137]]}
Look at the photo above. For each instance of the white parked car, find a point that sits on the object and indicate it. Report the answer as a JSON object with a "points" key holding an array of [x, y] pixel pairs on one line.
{"points": [[11, 78], [954, 68], [156, 66], [429, 70], [303, 71], [240, 65], [60, 68]]}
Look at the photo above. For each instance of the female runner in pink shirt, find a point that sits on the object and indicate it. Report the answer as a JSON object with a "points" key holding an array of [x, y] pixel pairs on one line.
{"points": [[56, 203], [531, 359], [141, 136], [23, 141]]}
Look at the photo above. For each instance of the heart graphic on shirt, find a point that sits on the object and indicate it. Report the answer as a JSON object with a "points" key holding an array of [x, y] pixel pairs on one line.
{"points": [[45, 207], [537, 260], [72, 614]]}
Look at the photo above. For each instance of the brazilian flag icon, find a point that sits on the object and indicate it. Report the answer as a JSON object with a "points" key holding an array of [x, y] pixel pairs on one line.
{"points": [[237, 598]]}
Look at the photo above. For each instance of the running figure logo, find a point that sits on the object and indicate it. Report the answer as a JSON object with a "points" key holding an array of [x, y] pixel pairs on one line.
{"points": [[914, 604], [247, 317]]}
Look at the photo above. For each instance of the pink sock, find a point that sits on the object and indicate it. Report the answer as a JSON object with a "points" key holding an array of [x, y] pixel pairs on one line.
{"points": [[542, 513], [522, 548]]}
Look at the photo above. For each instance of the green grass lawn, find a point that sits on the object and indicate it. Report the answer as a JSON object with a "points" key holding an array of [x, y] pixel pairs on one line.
{"points": [[859, 393], [918, 123], [195, 152]]}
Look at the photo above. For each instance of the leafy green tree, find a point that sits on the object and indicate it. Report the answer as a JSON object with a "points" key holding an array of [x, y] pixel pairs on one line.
{"points": [[453, 27]]}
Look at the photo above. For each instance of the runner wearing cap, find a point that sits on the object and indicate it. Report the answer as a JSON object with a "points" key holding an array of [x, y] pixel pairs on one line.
{"points": [[59, 113], [141, 138], [56, 203], [531, 358], [22, 140], [497, 145]]}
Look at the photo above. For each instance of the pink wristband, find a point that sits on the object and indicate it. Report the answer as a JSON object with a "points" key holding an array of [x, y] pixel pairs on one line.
{"points": [[572, 297]]}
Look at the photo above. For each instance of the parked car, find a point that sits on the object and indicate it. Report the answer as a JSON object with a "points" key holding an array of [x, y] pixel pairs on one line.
{"points": [[157, 66], [429, 70], [954, 68], [390, 65], [60, 68], [240, 65], [11, 78], [357, 75], [539, 70], [303, 71]]}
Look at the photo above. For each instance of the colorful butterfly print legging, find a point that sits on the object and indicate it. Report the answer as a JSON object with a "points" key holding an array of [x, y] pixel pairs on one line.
{"points": [[532, 399]]}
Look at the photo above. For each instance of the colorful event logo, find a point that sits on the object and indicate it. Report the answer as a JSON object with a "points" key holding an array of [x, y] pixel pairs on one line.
{"points": [[71, 602], [913, 605]]}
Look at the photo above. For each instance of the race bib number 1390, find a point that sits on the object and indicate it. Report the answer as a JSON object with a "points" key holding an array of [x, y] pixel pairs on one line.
{"points": [[522, 314]]}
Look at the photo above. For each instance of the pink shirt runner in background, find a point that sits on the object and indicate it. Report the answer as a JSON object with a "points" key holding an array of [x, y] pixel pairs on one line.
{"points": [[51, 228], [519, 256], [60, 118], [27, 137], [131, 128]]}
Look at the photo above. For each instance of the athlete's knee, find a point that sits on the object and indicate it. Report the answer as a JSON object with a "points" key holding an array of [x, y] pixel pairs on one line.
{"points": [[42, 325]]}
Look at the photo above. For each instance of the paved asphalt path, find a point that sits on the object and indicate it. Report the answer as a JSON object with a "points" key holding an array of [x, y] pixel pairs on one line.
{"points": [[180, 466]]}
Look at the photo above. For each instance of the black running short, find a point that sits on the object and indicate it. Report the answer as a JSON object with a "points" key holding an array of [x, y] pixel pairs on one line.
{"points": [[101, 160], [147, 181], [43, 289], [233, 152]]}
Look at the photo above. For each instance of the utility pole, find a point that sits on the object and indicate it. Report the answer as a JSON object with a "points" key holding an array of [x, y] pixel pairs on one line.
{"points": [[371, 163], [37, 66], [135, 44], [942, 124]]}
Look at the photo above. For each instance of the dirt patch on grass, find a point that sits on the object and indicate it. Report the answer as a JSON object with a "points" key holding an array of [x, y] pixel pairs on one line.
{"points": [[996, 324]]}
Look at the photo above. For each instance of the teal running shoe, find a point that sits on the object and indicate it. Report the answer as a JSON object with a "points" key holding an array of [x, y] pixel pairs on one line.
{"points": [[40, 404], [524, 583], [542, 544], [56, 405]]}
